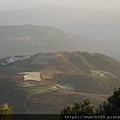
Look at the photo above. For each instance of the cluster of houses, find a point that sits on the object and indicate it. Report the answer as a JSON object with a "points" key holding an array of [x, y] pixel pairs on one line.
{"points": [[27, 38], [14, 59]]}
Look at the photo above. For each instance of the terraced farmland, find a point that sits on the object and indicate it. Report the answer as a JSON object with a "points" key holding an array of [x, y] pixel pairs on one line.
{"points": [[54, 101], [39, 89], [56, 79], [31, 76], [44, 59], [47, 57]]}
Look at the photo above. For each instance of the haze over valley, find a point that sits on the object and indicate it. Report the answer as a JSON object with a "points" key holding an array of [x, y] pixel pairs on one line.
{"points": [[56, 52], [98, 27]]}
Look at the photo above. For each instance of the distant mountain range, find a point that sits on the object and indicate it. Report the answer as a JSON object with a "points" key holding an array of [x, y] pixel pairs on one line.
{"points": [[100, 27], [97, 24], [30, 39]]}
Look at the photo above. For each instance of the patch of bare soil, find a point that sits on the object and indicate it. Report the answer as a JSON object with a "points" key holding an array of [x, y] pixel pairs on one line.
{"points": [[100, 96], [19, 78]]}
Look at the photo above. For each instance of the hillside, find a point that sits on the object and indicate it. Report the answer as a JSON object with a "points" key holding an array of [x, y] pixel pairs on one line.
{"points": [[30, 39], [62, 77], [65, 67]]}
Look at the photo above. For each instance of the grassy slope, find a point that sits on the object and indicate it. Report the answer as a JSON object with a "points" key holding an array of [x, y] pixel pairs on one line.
{"points": [[99, 73]]}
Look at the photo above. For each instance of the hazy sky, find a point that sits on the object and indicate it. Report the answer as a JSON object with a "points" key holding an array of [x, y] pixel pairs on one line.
{"points": [[94, 4]]}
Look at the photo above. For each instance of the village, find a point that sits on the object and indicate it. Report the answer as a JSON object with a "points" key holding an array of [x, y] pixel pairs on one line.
{"points": [[13, 59]]}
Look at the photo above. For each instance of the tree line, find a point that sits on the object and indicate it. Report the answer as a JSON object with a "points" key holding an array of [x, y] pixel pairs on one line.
{"points": [[111, 106]]}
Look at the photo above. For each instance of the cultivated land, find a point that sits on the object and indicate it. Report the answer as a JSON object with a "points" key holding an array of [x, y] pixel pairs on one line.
{"points": [[31, 76], [55, 79]]}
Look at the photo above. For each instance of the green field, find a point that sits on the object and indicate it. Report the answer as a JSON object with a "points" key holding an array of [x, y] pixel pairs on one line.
{"points": [[39, 88], [30, 69], [68, 87], [25, 84], [47, 57]]}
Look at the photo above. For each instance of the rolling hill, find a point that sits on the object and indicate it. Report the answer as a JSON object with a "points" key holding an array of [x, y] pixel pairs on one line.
{"points": [[94, 23], [18, 40], [30, 39], [63, 78]]}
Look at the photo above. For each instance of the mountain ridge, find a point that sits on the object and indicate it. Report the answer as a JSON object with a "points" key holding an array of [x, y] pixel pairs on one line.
{"points": [[30, 39]]}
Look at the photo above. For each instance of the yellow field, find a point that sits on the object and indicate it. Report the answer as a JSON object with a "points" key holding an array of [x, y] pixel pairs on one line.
{"points": [[32, 76]]}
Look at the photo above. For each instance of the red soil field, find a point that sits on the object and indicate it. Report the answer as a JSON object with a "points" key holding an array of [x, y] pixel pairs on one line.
{"points": [[19, 78]]}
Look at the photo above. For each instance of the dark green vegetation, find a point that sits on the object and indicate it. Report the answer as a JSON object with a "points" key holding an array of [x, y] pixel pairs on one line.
{"points": [[65, 77], [111, 106], [89, 83], [11, 93], [5, 112], [97, 73], [85, 107], [5, 109]]}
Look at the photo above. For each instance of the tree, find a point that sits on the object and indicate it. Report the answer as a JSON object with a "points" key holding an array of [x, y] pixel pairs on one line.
{"points": [[5, 112], [84, 107], [112, 105], [6, 109]]}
